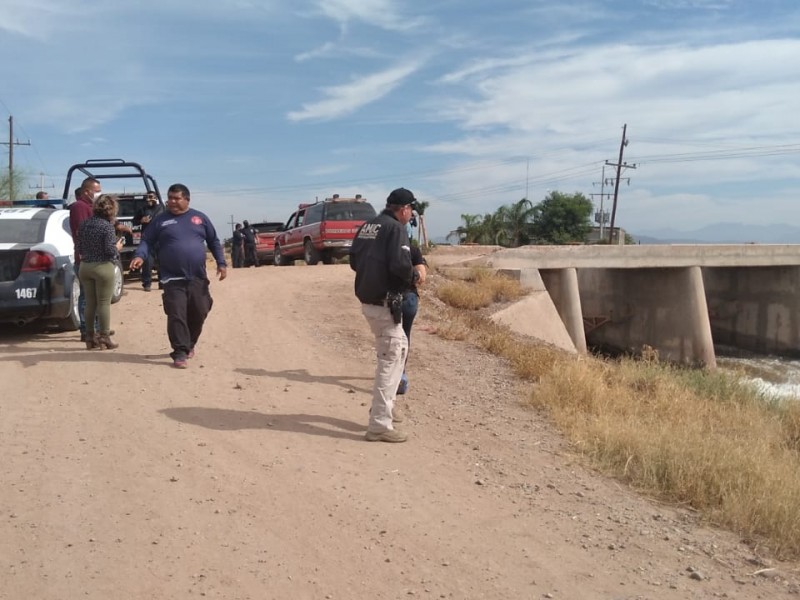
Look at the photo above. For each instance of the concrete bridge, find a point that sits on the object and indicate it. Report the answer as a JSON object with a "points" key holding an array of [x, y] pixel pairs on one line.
{"points": [[677, 299]]}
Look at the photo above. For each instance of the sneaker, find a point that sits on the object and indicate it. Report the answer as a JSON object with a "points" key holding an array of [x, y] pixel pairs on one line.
{"points": [[180, 363], [146, 288], [191, 353], [397, 415], [403, 387], [83, 336], [392, 436]]}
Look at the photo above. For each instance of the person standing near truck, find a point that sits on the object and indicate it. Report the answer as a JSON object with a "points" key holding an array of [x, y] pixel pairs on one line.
{"points": [[99, 248], [143, 218], [237, 247], [381, 258], [250, 256], [180, 236], [79, 211]]}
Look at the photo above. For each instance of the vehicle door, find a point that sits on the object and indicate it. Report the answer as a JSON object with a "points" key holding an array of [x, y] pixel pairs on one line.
{"points": [[294, 235]]}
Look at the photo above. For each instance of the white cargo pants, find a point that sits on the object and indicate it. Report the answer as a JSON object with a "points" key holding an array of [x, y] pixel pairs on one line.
{"points": [[391, 347]]}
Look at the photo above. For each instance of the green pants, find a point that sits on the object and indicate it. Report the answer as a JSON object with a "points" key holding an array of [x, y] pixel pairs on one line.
{"points": [[98, 284]]}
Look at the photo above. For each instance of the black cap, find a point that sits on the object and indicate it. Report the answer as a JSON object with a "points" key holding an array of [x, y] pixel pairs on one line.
{"points": [[401, 197]]}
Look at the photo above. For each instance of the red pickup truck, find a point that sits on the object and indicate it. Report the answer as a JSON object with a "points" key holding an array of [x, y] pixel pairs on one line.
{"points": [[322, 230], [266, 233]]}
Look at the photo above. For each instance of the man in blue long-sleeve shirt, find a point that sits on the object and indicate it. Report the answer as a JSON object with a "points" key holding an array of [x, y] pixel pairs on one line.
{"points": [[181, 235]]}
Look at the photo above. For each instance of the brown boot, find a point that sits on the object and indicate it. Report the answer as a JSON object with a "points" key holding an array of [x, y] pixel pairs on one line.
{"points": [[105, 343], [91, 340]]}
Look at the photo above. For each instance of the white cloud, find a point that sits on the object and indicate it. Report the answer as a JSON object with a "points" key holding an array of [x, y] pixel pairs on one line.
{"points": [[347, 98], [379, 13]]}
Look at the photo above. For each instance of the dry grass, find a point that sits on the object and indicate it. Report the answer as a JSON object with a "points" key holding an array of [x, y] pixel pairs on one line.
{"points": [[480, 289], [691, 437]]}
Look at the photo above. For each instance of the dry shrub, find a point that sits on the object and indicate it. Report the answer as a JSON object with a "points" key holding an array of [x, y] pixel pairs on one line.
{"points": [[505, 289], [723, 453], [790, 420], [480, 289], [462, 294]]}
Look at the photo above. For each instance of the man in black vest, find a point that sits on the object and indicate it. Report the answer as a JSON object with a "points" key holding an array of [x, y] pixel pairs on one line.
{"points": [[237, 247], [381, 258], [250, 257]]}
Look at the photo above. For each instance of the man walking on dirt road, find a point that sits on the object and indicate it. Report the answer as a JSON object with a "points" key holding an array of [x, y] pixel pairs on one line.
{"points": [[381, 258], [181, 236]]}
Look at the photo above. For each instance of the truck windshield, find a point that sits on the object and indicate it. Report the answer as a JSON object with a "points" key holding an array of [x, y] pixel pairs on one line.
{"points": [[350, 211]]}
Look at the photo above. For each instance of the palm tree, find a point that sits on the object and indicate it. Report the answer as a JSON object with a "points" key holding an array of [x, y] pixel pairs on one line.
{"points": [[422, 232], [469, 232], [515, 222]]}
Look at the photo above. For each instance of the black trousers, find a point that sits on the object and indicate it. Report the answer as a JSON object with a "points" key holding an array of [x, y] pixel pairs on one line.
{"points": [[250, 257], [237, 256], [187, 304]]}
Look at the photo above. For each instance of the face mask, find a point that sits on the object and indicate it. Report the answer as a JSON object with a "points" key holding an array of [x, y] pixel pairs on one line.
{"points": [[96, 195]]}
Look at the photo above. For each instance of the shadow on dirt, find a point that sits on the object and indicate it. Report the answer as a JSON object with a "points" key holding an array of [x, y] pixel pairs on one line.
{"points": [[303, 376], [233, 420]]}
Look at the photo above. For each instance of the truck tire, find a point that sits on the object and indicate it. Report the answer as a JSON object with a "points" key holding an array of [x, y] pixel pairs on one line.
{"points": [[118, 281], [278, 259], [310, 253], [72, 320]]}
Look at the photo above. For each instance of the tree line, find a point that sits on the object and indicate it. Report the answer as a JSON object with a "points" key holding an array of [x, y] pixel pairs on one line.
{"points": [[558, 219]]}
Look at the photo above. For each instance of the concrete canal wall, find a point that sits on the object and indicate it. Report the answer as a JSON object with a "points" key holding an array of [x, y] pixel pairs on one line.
{"points": [[676, 299]]}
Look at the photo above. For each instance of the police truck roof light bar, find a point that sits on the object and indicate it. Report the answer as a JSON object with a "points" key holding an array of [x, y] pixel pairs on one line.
{"points": [[46, 203]]}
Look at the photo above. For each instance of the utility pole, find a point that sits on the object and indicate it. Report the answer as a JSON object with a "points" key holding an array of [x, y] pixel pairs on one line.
{"points": [[527, 173], [232, 223], [11, 143], [601, 217], [41, 187], [619, 165]]}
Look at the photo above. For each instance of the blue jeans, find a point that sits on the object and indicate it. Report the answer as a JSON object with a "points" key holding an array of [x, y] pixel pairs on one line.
{"points": [[410, 305], [81, 305], [147, 270]]}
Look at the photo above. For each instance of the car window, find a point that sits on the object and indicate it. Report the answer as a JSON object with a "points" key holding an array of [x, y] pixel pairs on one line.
{"points": [[300, 218], [129, 206], [22, 231], [313, 214], [267, 227]]}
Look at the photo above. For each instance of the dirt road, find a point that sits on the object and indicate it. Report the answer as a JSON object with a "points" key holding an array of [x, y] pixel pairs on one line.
{"points": [[247, 476]]}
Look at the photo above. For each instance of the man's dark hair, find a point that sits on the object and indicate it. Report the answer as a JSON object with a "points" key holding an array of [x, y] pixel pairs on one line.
{"points": [[87, 181], [181, 189], [41, 195]]}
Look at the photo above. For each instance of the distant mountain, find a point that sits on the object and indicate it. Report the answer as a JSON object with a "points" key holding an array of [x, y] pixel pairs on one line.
{"points": [[722, 233]]}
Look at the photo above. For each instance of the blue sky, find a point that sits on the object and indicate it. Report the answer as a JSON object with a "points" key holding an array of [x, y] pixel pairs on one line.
{"points": [[257, 105]]}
